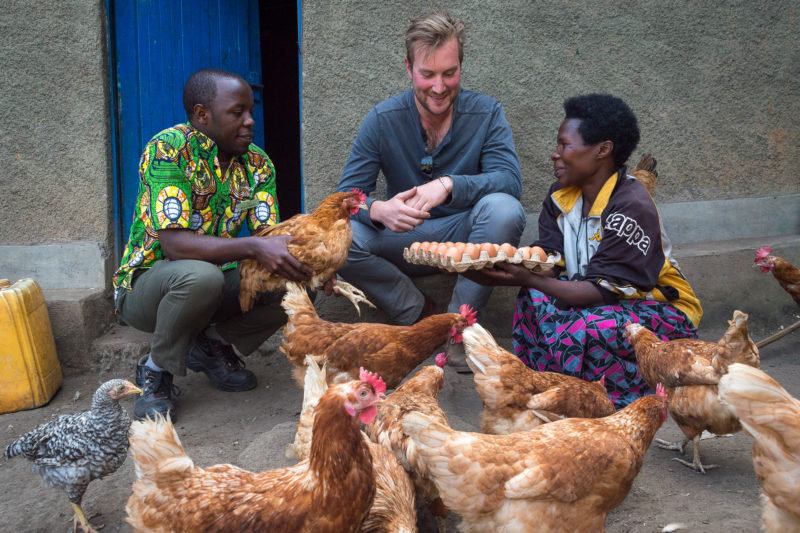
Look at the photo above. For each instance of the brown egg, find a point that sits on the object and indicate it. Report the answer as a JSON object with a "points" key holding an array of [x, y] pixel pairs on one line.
{"points": [[413, 248], [460, 247], [507, 249], [472, 250], [537, 254], [525, 251], [441, 250], [424, 246], [489, 248], [455, 253]]}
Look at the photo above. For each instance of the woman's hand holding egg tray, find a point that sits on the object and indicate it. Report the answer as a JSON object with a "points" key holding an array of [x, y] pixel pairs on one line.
{"points": [[460, 256]]}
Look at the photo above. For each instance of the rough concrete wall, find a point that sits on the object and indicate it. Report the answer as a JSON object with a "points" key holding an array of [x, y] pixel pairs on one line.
{"points": [[714, 84], [54, 130]]}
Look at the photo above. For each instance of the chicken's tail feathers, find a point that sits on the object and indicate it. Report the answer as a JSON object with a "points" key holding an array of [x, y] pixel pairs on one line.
{"points": [[483, 354], [14, 449], [645, 172], [736, 344], [768, 412], [315, 385], [157, 450], [315, 380], [297, 304], [647, 163]]}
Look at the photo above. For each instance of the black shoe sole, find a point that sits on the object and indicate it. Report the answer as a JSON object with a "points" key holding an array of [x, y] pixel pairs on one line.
{"points": [[233, 388]]}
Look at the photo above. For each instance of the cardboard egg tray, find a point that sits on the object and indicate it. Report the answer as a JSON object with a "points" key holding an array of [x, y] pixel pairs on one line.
{"points": [[483, 261]]}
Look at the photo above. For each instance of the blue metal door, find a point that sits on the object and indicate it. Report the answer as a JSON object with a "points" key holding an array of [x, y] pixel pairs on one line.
{"points": [[154, 46]]}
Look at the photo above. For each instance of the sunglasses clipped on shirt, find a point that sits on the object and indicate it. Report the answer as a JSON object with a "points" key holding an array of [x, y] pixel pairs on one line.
{"points": [[426, 167]]}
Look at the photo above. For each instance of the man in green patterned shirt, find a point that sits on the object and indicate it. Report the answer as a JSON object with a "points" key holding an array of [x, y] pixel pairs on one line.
{"points": [[199, 182]]}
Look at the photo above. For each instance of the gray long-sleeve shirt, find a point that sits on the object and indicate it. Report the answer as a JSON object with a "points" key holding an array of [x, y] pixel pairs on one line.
{"points": [[477, 152]]}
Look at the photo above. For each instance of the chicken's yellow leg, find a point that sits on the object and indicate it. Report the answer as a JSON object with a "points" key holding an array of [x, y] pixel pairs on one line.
{"points": [[353, 294], [696, 464], [84, 523]]}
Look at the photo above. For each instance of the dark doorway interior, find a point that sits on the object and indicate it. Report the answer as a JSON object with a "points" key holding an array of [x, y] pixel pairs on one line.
{"points": [[280, 67]]}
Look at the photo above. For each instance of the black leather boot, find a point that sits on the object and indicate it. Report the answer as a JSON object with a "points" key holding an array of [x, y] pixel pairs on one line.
{"points": [[221, 364], [157, 391]]}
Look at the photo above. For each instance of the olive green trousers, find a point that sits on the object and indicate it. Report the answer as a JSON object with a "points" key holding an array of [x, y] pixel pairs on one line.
{"points": [[177, 300]]}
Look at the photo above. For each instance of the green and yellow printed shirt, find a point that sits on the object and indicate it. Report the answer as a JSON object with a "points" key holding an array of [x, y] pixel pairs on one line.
{"points": [[181, 186]]}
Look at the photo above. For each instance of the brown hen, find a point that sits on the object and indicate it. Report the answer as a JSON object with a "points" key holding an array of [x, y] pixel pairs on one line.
{"points": [[562, 476], [320, 240], [788, 276], [331, 491], [391, 351], [517, 398], [690, 370], [772, 417], [393, 509], [418, 394], [786, 273]]}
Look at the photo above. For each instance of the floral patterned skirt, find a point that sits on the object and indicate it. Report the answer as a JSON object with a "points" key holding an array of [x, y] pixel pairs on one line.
{"points": [[588, 342]]}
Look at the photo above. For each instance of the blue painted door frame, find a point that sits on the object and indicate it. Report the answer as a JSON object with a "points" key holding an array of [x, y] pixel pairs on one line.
{"points": [[154, 45]]}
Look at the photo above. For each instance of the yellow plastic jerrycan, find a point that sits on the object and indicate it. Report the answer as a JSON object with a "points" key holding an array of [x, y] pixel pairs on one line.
{"points": [[29, 369]]}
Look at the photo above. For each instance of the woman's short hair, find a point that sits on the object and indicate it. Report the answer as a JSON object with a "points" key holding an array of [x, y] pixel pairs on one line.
{"points": [[605, 118], [432, 31]]}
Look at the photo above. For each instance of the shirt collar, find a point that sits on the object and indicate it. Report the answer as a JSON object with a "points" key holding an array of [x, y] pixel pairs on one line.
{"points": [[207, 143], [567, 197]]}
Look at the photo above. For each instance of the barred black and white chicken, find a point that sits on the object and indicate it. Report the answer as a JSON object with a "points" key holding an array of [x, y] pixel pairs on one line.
{"points": [[72, 450]]}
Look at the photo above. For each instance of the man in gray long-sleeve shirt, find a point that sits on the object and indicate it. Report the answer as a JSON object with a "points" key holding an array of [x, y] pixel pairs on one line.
{"points": [[451, 170]]}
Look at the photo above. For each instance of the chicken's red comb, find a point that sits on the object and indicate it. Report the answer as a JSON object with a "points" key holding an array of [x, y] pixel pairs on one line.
{"points": [[373, 379], [660, 391], [763, 252], [468, 313], [361, 196], [441, 359]]}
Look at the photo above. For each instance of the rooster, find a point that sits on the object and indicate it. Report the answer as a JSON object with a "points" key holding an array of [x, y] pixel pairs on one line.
{"points": [[788, 276], [517, 398], [562, 476], [321, 240], [690, 370], [419, 394], [393, 509], [331, 491], [391, 351], [772, 417]]}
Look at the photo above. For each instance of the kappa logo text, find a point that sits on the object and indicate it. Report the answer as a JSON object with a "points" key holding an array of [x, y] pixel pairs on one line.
{"points": [[627, 227]]}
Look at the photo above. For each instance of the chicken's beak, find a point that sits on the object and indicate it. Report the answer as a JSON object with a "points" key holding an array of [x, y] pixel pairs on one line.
{"points": [[133, 389], [363, 205]]}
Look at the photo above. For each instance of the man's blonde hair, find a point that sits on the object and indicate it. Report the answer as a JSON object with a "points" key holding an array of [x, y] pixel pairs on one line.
{"points": [[432, 31]]}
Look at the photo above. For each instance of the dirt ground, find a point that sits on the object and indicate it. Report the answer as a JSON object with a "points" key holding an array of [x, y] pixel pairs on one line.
{"points": [[251, 429]]}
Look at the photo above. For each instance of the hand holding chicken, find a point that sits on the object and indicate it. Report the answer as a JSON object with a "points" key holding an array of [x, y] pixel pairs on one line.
{"points": [[320, 240]]}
